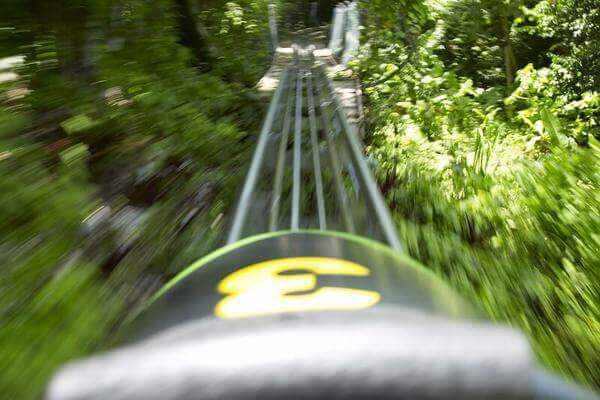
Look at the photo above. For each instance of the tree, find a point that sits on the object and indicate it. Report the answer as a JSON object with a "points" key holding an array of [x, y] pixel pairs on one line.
{"points": [[402, 20], [480, 40], [574, 25], [189, 35]]}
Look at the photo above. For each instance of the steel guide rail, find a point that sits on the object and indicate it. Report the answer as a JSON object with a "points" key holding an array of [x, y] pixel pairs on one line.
{"points": [[365, 175], [281, 156], [316, 154], [306, 120], [243, 206]]}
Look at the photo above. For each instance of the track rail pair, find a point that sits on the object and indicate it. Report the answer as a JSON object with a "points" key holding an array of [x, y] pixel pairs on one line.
{"points": [[308, 170]]}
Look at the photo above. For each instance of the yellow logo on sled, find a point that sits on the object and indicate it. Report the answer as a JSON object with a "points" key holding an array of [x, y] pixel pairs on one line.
{"points": [[260, 289]]}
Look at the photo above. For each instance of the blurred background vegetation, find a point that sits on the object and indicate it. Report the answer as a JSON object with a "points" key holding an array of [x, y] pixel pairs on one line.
{"points": [[483, 121], [125, 127]]}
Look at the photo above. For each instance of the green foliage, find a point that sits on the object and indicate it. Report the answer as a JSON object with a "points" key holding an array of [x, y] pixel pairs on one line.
{"points": [[68, 316], [103, 113], [491, 171], [478, 41], [240, 36], [575, 25], [541, 103], [52, 306], [396, 21], [488, 40], [500, 194]]}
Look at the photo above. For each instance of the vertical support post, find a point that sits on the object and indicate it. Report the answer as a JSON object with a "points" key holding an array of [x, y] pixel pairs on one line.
{"points": [[352, 34], [296, 55], [314, 10], [336, 40], [273, 26]]}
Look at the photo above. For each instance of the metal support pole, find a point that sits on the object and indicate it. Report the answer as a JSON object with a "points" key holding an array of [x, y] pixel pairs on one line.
{"points": [[273, 26], [336, 39], [352, 33]]}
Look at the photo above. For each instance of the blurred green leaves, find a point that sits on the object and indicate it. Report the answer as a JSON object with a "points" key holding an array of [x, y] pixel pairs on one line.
{"points": [[76, 124], [494, 186], [116, 159]]}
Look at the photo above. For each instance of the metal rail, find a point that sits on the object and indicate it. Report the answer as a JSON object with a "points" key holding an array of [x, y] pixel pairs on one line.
{"points": [[365, 175], [342, 196], [281, 156], [316, 154], [297, 155], [243, 207], [331, 184]]}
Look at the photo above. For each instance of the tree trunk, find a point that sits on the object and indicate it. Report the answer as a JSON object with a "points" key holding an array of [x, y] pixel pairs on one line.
{"points": [[189, 35], [68, 22], [326, 10], [510, 63], [409, 38]]}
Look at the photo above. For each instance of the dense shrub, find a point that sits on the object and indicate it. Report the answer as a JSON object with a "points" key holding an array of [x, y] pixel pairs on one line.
{"points": [[119, 138], [497, 192]]}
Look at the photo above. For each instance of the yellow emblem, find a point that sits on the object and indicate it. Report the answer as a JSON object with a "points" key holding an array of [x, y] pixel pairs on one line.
{"points": [[261, 289]]}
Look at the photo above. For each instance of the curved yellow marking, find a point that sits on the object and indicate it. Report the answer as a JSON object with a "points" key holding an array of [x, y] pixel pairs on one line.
{"points": [[259, 289]]}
